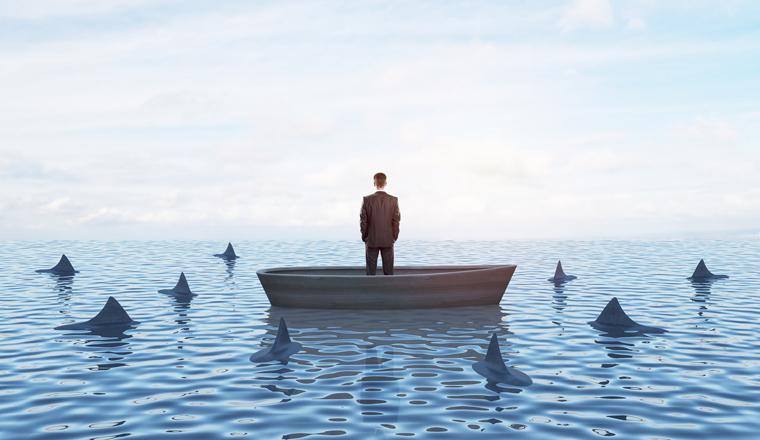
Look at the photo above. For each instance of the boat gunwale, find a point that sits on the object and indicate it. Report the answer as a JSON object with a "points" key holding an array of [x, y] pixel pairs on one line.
{"points": [[469, 268]]}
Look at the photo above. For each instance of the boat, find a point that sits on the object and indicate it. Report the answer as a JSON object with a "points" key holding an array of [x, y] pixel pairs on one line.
{"points": [[410, 287]]}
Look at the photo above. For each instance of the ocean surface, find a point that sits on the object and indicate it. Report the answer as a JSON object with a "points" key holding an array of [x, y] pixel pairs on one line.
{"points": [[184, 372]]}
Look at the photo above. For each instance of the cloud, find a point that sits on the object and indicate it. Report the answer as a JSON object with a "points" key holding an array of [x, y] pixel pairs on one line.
{"points": [[59, 205], [290, 125], [245, 151], [706, 131], [106, 216], [594, 14], [601, 152], [182, 106], [54, 8], [596, 139], [743, 202], [605, 160], [636, 24], [751, 116], [732, 170], [15, 165]]}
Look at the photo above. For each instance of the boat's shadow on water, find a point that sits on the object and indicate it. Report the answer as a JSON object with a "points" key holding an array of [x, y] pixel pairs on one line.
{"points": [[365, 329], [390, 362]]}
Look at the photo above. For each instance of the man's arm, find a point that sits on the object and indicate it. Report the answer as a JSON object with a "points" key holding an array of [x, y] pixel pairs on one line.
{"points": [[363, 221], [395, 221]]}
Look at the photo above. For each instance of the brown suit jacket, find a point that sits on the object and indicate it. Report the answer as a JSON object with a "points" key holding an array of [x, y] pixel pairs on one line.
{"points": [[379, 219]]}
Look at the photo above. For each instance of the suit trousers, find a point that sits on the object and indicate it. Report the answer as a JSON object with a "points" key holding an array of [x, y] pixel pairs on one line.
{"points": [[387, 255]]}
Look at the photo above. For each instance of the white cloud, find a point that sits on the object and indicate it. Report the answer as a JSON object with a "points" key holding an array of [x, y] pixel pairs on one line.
{"points": [[285, 124], [636, 24], [56, 205], [732, 170], [595, 14], [245, 152], [186, 106], [605, 160], [16, 165], [596, 139], [105, 216], [52, 8], [478, 161], [743, 202], [751, 116], [706, 131]]}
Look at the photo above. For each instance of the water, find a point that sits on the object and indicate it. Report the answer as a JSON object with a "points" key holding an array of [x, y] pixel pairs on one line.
{"points": [[184, 373]]}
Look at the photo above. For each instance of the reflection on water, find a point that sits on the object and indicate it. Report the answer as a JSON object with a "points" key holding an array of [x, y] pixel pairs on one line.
{"points": [[407, 330], [109, 338], [383, 356], [622, 332], [618, 349], [229, 281], [702, 292], [379, 395], [496, 388], [181, 305], [63, 285], [394, 365], [559, 297]]}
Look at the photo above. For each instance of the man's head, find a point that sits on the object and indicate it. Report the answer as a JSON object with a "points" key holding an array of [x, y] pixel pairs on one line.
{"points": [[379, 181]]}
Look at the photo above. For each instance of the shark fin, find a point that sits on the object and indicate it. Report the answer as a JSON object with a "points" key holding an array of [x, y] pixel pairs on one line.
{"points": [[559, 273], [613, 314], [493, 355], [494, 369], [701, 271], [230, 252], [63, 267], [182, 286], [281, 350], [111, 313]]}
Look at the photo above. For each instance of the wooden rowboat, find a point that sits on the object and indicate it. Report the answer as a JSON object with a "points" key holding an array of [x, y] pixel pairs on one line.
{"points": [[411, 287]]}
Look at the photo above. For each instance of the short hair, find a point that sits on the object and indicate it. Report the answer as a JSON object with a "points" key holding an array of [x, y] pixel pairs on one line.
{"points": [[380, 180]]}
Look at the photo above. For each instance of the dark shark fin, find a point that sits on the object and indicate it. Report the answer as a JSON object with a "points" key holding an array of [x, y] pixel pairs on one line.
{"points": [[182, 286], [560, 276], [559, 273], [281, 350], [613, 314], [701, 271], [494, 369], [64, 265], [230, 252], [493, 355], [112, 313], [283, 337]]}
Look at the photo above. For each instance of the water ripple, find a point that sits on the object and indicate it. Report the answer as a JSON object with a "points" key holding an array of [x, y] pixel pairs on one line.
{"points": [[184, 370]]}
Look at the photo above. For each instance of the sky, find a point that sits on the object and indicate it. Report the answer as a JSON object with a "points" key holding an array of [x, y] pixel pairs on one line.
{"points": [[250, 120]]}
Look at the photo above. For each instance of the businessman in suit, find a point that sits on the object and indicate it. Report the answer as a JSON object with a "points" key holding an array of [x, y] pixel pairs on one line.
{"points": [[379, 221]]}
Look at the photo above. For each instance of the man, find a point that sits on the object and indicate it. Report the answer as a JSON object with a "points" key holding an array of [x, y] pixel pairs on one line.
{"points": [[379, 222]]}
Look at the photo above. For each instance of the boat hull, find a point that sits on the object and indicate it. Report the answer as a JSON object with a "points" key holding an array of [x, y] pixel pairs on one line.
{"points": [[411, 287]]}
